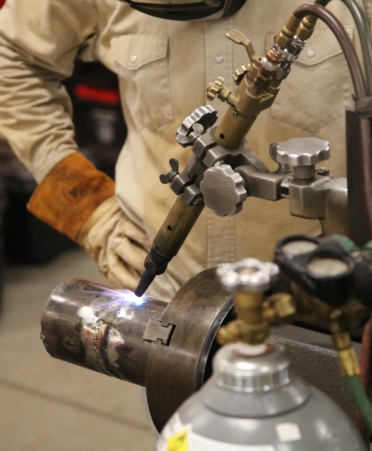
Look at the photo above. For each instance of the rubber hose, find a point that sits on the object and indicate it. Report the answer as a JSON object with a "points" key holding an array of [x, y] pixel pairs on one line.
{"points": [[364, 33], [365, 362], [347, 46], [360, 399], [358, 81]]}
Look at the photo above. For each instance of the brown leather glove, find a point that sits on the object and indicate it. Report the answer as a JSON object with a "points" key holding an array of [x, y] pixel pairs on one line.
{"points": [[78, 200]]}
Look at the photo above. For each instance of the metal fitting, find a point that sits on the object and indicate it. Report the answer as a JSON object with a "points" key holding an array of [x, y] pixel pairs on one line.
{"points": [[279, 309], [306, 28], [347, 358], [323, 171], [284, 37], [253, 334], [348, 362]]}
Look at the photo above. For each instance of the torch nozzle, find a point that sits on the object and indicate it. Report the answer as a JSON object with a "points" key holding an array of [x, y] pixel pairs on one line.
{"points": [[155, 264], [146, 280]]}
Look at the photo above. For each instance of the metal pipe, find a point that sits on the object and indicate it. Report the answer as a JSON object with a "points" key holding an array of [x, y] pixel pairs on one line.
{"points": [[166, 347], [100, 328]]}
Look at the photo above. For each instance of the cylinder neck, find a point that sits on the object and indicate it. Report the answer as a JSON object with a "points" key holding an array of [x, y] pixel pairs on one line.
{"points": [[254, 382], [240, 368]]}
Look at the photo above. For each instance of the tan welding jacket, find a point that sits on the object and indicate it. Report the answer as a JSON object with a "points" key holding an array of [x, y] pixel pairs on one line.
{"points": [[164, 68]]}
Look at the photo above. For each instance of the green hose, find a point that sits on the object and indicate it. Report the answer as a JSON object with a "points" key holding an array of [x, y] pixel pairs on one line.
{"points": [[364, 32], [361, 400]]}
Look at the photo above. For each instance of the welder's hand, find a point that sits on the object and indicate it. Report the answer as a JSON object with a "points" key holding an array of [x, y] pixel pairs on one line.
{"points": [[116, 244], [78, 200]]}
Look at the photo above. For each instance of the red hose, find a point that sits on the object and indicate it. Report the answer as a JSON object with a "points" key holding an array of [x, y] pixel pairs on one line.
{"points": [[342, 37], [365, 372], [358, 81]]}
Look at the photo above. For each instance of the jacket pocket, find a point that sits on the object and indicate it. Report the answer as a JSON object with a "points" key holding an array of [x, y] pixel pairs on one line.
{"points": [[317, 91], [141, 60]]}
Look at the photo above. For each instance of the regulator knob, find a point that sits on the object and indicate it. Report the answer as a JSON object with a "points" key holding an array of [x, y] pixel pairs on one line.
{"points": [[301, 153], [223, 190]]}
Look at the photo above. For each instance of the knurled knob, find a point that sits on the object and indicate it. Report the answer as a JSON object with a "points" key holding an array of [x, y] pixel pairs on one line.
{"points": [[248, 274], [195, 124], [239, 73], [223, 190], [300, 151], [214, 88]]}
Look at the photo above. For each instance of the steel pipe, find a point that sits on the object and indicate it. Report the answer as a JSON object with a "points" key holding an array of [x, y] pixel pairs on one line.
{"points": [[166, 347]]}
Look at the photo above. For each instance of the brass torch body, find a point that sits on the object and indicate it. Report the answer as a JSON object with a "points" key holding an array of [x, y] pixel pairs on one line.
{"points": [[255, 92], [175, 228]]}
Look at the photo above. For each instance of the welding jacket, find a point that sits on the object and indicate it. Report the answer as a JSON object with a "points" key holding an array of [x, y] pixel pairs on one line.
{"points": [[163, 69]]}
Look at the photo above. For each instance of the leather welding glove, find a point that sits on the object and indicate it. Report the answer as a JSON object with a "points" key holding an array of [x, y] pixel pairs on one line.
{"points": [[115, 243], [78, 200]]}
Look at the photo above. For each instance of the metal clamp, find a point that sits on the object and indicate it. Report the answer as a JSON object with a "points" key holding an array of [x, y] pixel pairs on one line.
{"points": [[156, 331]]}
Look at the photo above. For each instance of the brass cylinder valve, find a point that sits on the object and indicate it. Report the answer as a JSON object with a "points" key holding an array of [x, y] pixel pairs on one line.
{"points": [[248, 279]]}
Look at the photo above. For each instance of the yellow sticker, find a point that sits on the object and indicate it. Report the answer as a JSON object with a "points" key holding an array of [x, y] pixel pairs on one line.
{"points": [[179, 441]]}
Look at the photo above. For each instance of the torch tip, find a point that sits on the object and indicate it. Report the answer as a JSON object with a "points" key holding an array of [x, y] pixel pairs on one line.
{"points": [[144, 283]]}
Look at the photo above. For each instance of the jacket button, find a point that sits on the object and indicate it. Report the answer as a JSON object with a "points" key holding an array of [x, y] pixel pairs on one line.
{"points": [[310, 53]]}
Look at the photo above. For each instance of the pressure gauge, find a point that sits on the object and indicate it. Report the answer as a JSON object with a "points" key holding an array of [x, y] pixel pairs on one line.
{"points": [[327, 267], [323, 267], [299, 247]]}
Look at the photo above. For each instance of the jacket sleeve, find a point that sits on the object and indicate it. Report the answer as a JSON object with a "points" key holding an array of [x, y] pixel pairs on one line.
{"points": [[39, 41]]}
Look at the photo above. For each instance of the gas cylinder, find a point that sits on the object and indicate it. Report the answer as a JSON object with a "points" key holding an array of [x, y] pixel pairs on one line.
{"points": [[255, 401]]}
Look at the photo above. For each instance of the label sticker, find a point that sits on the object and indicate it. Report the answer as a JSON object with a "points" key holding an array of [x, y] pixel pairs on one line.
{"points": [[171, 436], [288, 432], [179, 441]]}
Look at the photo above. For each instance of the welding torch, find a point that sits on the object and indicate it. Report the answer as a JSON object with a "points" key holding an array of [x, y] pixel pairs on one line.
{"points": [[257, 86]]}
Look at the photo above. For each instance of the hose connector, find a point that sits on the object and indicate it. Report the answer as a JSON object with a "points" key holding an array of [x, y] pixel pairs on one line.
{"points": [[347, 357]]}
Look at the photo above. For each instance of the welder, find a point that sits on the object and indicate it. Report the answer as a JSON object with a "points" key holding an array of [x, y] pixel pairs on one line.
{"points": [[164, 55]]}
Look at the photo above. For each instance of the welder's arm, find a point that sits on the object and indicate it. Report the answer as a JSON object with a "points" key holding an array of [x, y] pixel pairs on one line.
{"points": [[38, 46]]}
